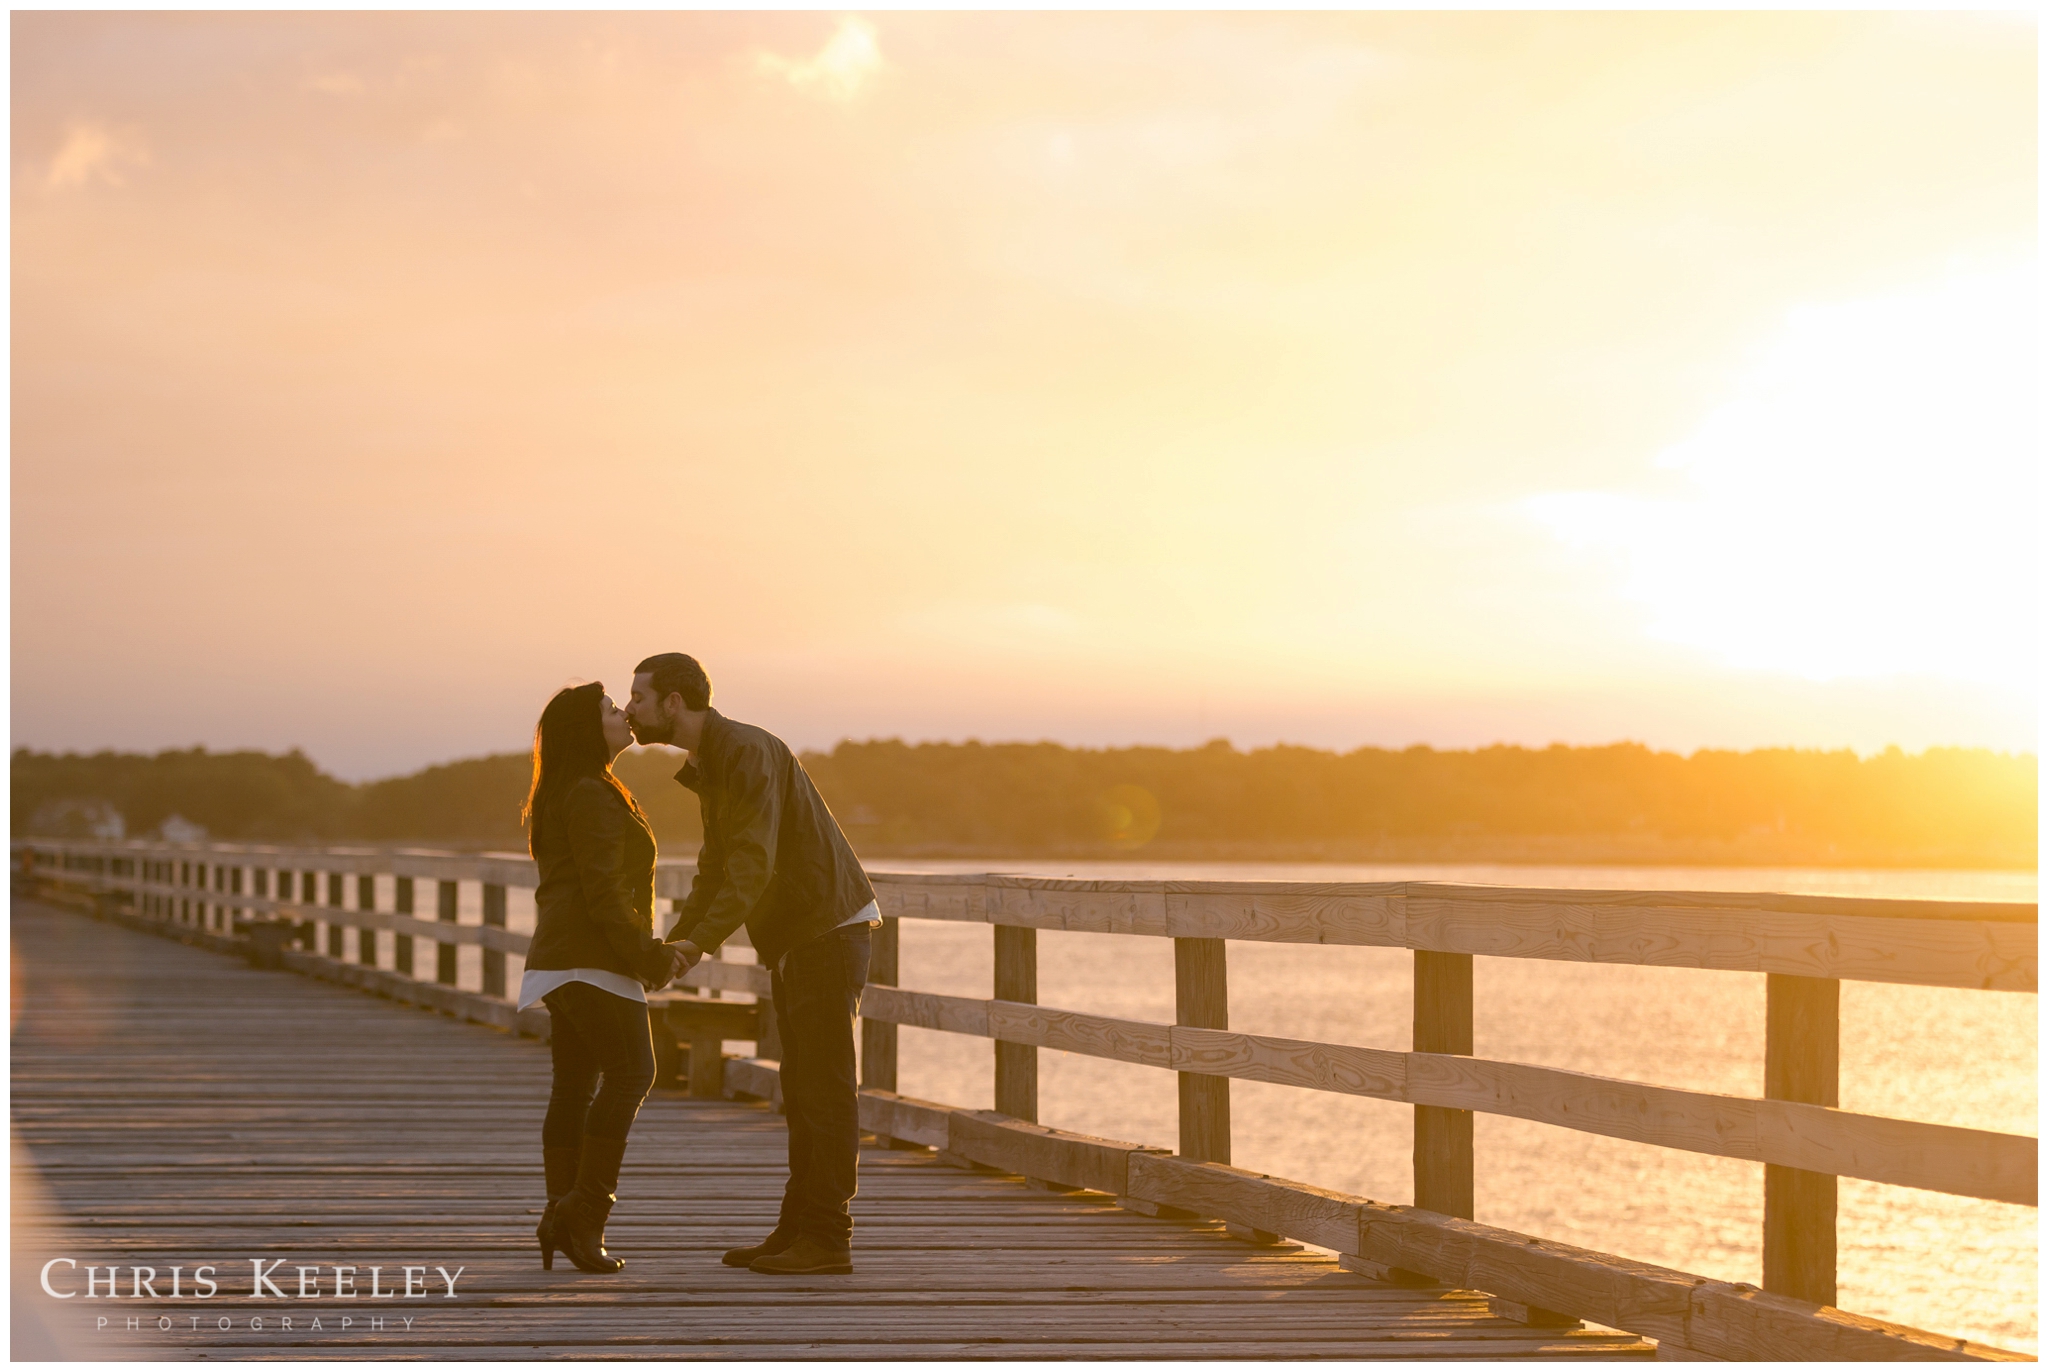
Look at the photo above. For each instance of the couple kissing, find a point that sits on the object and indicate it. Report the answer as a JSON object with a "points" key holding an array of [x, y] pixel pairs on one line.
{"points": [[774, 860]]}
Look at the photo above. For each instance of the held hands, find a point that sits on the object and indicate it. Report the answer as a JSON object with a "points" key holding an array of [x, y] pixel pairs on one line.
{"points": [[682, 956], [672, 967]]}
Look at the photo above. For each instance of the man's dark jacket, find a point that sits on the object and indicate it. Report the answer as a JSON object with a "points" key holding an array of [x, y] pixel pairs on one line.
{"points": [[594, 906], [773, 856]]}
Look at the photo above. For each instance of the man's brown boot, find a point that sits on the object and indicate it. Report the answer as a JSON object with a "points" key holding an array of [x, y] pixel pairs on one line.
{"points": [[806, 1257], [777, 1242]]}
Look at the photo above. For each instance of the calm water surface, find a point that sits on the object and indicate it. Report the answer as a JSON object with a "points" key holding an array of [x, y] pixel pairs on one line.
{"points": [[1970, 1058]]}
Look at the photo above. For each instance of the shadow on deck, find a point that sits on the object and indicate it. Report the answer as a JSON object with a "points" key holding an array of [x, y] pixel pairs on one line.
{"points": [[174, 1108]]}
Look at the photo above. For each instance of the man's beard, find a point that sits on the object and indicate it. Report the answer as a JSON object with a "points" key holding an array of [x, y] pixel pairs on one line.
{"points": [[652, 733]]}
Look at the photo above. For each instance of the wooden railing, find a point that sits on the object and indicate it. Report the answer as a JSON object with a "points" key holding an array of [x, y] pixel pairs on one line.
{"points": [[1805, 945]]}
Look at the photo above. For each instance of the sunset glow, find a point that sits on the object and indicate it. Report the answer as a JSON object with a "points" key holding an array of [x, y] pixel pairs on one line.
{"points": [[1863, 503], [1344, 379]]}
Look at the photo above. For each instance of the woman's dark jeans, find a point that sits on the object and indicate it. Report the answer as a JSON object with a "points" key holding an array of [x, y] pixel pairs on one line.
{"points": [[817, 994], [596, 1037]]}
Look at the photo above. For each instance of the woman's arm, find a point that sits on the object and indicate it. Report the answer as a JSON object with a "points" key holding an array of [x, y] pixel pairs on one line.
{"points": [[598, 825]]}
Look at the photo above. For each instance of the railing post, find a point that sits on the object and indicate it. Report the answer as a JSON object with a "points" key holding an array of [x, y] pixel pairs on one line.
{"points": [[366, 938], [494, 958], [1802, 1062], [444, 953], [1443, 1137], [1202, 1001], [304, 927], [401, 944], [878, 1040], [335, 932], [1017, 1063]]}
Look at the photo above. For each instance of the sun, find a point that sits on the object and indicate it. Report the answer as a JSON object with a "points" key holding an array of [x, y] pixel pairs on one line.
{"points": [[1862, 505]]}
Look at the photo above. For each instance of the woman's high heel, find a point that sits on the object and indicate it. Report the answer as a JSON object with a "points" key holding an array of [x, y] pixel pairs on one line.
{"points": [[579, 1220], [561, 1165]]}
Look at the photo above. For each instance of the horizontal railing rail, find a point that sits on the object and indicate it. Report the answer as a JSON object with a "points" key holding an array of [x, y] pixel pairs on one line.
{"points": [[1929, 1157], [1970, 944], [1805, 945], [1975, 945]]}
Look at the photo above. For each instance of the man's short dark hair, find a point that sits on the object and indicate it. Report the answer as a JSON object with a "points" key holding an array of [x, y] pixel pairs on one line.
{"points": [[678, 673]]}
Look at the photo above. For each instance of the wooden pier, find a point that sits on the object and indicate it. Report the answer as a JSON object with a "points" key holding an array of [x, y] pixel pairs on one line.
{"points": [[180, 1107], [183, 1108]]}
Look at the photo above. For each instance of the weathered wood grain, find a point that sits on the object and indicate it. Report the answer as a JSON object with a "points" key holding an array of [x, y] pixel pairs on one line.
{"points": [[1937, 943], [1443, 1136], [1295, 1209], [1802, 1062], [1201, 1000], [1933, 1157], [926, 1010], [1776, 1133], [930, 897], [1016, 981], [1377, 1072], [1868, 944], [1969, 944], [888, 1115], [1096, 1035], [1033, 1150], [1096, 907], [1714, 1318], [387, 1132]]}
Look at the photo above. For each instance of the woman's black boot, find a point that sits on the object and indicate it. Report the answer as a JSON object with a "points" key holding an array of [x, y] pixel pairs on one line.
{"points": [[560, 1164], [581, 1215]]}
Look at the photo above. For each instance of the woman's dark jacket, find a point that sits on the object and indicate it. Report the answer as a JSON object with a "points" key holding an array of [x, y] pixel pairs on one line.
{"points": [[594, 906]]}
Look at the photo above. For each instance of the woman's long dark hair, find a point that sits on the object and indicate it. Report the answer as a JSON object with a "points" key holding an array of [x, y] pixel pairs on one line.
{"points": [[568, 745]]}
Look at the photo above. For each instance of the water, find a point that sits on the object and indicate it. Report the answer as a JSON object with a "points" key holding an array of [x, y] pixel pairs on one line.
{"points": [[1944, 1263]]}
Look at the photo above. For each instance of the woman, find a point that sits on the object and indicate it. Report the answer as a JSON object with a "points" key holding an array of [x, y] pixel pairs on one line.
{"points": [[593, 954]]}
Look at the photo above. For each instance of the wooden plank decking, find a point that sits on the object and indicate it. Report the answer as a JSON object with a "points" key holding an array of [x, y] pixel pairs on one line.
{"points": [[173, 1106]]}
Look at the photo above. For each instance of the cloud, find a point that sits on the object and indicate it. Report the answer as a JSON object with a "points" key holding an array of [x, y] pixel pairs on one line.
{"points": [[94, 152], [850, 57]]}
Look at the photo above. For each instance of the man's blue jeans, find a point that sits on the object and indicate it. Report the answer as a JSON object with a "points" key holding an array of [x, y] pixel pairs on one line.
{"points": [[817, 994]]}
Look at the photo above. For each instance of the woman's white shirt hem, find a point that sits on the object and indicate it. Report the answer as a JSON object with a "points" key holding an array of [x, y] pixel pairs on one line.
{"points": [[533, 985]]}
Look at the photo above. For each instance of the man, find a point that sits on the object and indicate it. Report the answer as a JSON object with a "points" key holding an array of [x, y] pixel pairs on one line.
{"points": [[774, 859]]}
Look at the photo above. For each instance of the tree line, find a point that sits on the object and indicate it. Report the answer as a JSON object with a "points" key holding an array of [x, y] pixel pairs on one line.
{"points": [[1622, 802]]}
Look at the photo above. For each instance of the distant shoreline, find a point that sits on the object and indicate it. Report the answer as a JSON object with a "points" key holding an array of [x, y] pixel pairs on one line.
{"points": [[1490, 850], [1534, 851]]}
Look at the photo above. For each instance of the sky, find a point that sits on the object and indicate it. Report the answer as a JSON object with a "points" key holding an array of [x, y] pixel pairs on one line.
{"points": [[1339, 379]]}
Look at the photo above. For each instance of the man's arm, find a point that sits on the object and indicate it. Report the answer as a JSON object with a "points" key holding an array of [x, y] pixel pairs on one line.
{"points": [[748, 811], [709, 877]]}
